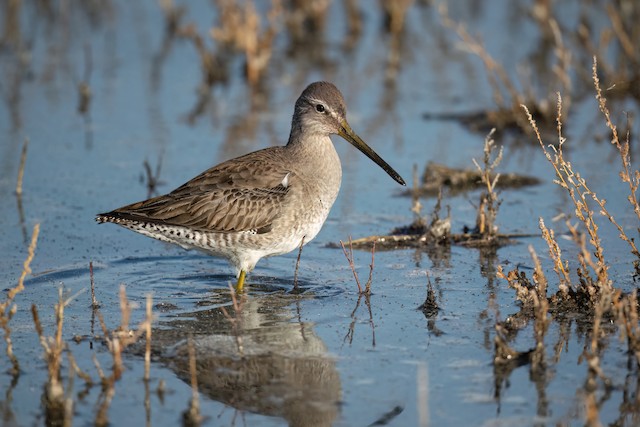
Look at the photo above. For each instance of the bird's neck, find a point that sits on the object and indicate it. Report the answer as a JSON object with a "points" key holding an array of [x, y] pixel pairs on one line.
{"points": [[317, 152]]}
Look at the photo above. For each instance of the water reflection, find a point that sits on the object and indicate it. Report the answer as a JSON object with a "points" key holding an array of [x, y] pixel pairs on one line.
{"points": [[260, 359]]}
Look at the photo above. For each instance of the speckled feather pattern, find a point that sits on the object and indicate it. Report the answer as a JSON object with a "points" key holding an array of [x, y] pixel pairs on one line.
{"points": [[261, 204]]}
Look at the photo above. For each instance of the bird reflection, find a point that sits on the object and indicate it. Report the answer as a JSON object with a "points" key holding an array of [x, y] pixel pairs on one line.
{"points": [[256, 358]]}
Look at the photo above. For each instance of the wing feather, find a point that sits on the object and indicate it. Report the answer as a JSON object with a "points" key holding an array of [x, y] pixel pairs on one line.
{"points": [[242, 194]]}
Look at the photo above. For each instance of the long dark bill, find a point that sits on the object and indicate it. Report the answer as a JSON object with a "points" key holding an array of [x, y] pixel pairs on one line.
{"points": [[348, 134]]}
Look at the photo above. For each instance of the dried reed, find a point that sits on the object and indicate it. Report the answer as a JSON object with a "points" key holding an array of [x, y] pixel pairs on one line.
{"points": [[489, 202], [349, 256], [8, 309], [58, 404], [23, 161]]}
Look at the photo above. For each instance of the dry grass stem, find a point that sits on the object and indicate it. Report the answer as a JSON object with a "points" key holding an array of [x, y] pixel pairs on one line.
{"points": [[8, 309], [26, 268], [489, 202], [580, 194], [23, 161], [94, 301], [559, 266], [79, 372], [58, 405], [627, 175], [349, 257], [367, 286], [350, 260], [122, 337]]}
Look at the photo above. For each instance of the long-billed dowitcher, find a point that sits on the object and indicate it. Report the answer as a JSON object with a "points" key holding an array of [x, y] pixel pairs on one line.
{"points": [[264, 203]]}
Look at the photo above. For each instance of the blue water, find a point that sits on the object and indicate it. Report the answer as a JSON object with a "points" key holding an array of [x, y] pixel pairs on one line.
{"points": [[310, 359]]}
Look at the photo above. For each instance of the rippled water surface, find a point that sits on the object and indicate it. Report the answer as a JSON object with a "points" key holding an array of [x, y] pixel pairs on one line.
{"points": [[323, 355]]}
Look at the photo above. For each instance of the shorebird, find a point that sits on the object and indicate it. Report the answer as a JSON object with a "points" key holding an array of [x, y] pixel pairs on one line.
{"points": [[265, 203]]}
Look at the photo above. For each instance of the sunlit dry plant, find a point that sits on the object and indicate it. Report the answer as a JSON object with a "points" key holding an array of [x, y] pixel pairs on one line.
{"points": [[58, 404], [122, 337], [23, 160], [594, 289], [580, 194], [240, 30], [350, 260], [117, 341], [489, 202], [560, 266], [8, 308], [627, 174]]}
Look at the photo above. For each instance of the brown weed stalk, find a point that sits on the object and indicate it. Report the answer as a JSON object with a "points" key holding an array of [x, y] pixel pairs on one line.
{"points": [[23, 161], [58, 404], [119, 339], [349, 256], [627, 175], [580, 194], [489, 202], [8, 309]]}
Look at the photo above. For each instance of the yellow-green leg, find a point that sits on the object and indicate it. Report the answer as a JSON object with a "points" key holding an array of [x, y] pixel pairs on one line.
{"points": [[240, 284]]}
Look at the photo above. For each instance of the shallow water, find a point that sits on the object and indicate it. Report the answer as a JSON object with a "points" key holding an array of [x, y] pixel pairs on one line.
{"points": [[323, 356]]}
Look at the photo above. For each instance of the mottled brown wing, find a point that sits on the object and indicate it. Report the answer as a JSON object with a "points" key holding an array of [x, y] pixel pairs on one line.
{"points": [[242, 194]]}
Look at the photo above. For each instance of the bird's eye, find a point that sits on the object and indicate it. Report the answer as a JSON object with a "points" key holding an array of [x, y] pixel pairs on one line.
{"points": [[320, 108]]}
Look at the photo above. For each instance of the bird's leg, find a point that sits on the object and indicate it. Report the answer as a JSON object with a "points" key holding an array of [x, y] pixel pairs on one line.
{"points": [[240, 284]]}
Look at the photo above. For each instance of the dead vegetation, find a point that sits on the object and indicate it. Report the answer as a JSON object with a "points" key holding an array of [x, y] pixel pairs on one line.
{"points": [[423, 233], [584, 285], [362, 292], [58, 396], [8, 308], [593, 282]]}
